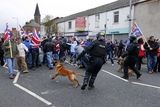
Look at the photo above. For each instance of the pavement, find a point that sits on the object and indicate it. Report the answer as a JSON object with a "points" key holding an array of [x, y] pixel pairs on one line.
{"points": [[36, 89]]}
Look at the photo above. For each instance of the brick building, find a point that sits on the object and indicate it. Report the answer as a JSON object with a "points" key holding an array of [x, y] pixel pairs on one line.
{"points": [[33, 23]]}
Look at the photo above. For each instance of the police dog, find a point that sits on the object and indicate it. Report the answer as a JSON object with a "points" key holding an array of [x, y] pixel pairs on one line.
{"points": [[60, 70], [120, 62]]}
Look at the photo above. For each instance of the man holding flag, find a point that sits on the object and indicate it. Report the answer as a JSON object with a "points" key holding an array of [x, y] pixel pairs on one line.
{"points": [[35, 43], [10, 51], [151, 48]]}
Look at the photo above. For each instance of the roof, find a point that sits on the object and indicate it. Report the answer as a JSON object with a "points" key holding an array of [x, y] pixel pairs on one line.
{"points": [[37, 13], [104, 8], [32, 23]]}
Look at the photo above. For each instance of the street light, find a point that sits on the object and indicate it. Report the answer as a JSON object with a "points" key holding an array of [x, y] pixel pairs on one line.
{"points": [[130, 20], [16, 21]]}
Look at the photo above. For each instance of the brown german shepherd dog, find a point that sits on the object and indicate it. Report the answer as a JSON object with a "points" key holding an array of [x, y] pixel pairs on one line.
{"points": [[61, 71], [120, 62]]}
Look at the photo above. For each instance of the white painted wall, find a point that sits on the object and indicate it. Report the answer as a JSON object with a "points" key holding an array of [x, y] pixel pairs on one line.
{"points": [[105, 18], [123, 12], [42, 30]]}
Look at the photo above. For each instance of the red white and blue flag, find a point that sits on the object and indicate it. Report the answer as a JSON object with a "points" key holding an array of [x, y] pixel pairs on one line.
{"points": [[136, 31], [7, 33], [35, 39], [22, 31]]}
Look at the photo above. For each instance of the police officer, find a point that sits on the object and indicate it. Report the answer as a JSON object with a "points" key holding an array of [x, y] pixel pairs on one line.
{"points": [[97, 58], [131, 57]]}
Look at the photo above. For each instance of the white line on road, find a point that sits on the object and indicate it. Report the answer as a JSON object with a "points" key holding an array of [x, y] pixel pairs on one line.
{"points": [[136, 83], [147, 85], [34, 95], [16, 78], [115, 76]]}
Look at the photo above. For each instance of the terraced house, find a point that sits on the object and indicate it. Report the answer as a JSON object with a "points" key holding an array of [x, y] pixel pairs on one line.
{"points": [[113, 19]]}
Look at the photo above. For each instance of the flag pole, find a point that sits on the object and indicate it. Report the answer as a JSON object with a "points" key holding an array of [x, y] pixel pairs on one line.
{"points": [[130, 15], [10, 46], [143, 36]]}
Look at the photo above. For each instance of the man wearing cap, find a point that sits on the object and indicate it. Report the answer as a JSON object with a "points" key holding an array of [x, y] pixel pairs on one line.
{"points": [[97, 52]]}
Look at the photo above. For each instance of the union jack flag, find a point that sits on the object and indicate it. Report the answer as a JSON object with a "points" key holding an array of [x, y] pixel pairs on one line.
{"points": [[35, 39], [7, 33], [22, 31], [136, 30]]}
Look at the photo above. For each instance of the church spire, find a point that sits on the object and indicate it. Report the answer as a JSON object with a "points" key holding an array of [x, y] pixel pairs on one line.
{"points": [[37, 13]]}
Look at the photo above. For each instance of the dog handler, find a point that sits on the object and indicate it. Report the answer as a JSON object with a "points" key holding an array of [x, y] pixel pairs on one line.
{"points": [[131, 58], [97, 52]]}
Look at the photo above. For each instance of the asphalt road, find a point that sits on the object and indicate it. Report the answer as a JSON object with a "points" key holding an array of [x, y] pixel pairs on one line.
{"points": [[110, 91]]}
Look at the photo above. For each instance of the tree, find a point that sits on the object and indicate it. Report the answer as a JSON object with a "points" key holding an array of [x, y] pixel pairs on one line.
{"points": [[47, 18], [50, 25]]}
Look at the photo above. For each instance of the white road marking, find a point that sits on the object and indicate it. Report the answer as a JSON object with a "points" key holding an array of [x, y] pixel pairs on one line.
{"points": [[28, 91], [17, 75], [16, 78], [115, 75], [147, 85], [34, 95], [136, 83]]}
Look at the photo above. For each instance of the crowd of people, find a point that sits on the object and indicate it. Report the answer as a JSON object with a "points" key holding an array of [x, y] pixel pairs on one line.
{"points": [[28, 55]]}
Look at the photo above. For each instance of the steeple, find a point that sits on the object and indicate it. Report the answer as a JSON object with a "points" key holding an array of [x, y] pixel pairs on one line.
{"points": [[37, 16], [37, 13]]}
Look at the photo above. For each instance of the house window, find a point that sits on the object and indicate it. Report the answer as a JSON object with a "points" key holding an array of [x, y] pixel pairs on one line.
{"points": [[69, 25], [97, 19], [116, 17]]}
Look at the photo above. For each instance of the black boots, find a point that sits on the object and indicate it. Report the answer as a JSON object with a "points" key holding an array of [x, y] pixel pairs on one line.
{"points": [[83, 86], [138, 76]]}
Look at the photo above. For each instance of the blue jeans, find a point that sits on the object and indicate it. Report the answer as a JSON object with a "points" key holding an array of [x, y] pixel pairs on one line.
{"points": [[29, 59], [151, 62], [49, 59], [56, 56], [110, 54], [10, 65]]}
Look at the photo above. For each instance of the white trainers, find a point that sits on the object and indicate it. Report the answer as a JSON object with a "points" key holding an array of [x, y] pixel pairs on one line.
{"points": [[26, 71]]}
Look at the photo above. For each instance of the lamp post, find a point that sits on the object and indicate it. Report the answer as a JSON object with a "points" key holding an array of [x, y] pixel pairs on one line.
{"points": [[105, 30], [16, 21], [130, 15], [16, 18]]}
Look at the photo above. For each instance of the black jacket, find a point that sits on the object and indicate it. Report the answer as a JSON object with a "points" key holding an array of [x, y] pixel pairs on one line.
{"points": [[96, 49], [153, 45]]}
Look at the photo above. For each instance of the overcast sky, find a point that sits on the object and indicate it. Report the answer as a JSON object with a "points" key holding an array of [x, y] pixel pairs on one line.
{"points": [[13, 11]]}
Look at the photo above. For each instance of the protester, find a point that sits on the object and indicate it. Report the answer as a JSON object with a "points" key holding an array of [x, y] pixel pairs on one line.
{"points": [[109, 51], [141, 53], [10, 52], [1, 53], [48, 47], [151, 53], [21, 62]]}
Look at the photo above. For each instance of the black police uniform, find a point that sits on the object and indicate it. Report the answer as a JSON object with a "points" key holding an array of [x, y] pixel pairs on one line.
{"points": [[97, 59], [131, 58]]}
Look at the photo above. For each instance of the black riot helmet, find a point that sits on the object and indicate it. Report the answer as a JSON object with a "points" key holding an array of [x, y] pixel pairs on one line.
{"points": [[132, 38], [100, 36]]}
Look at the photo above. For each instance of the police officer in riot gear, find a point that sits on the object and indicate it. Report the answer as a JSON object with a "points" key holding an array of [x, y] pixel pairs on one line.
{"points": [[97, 54], [131, 58]]}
